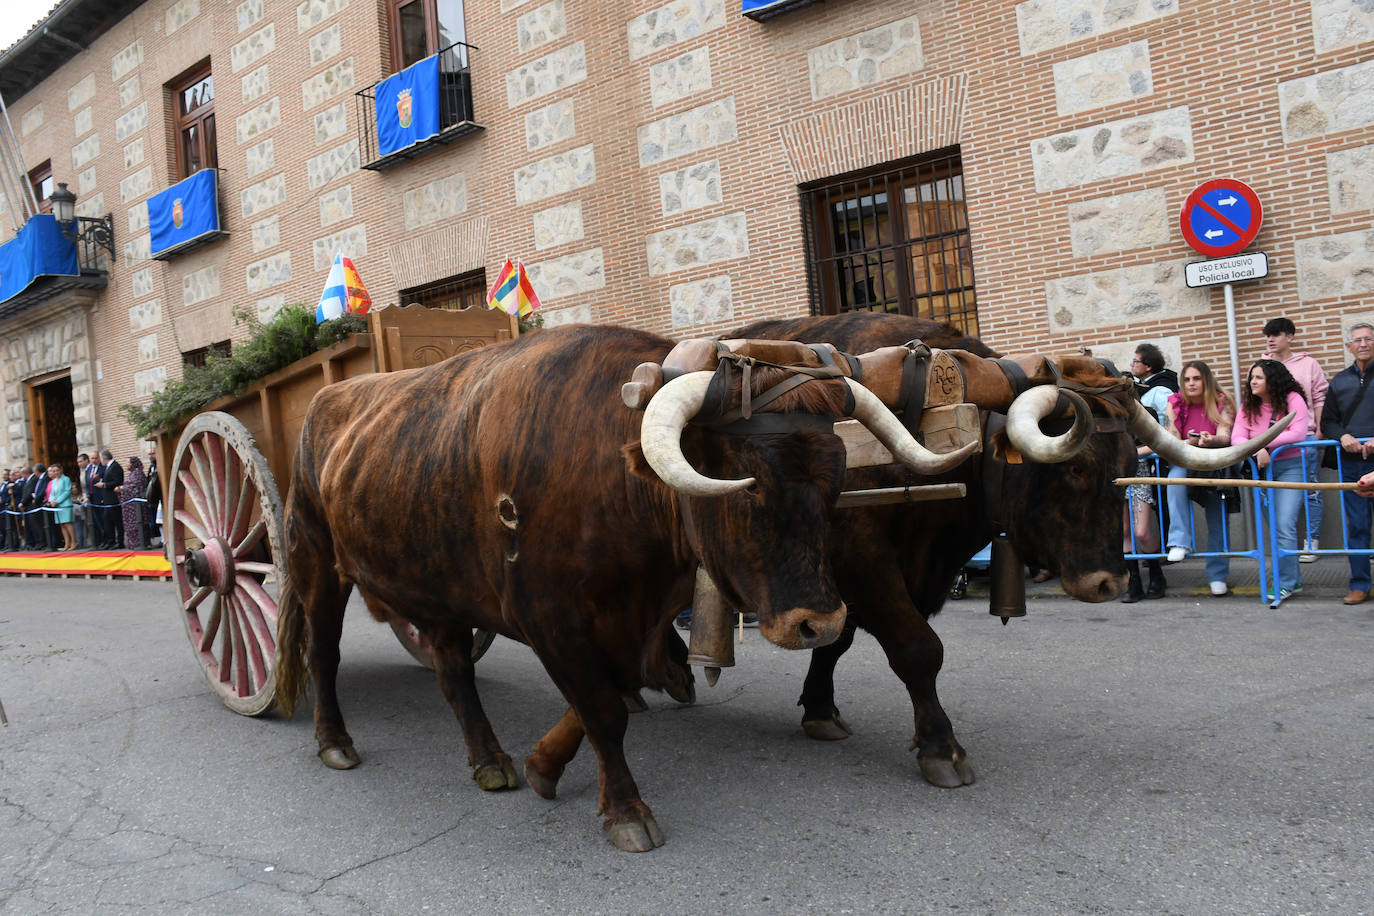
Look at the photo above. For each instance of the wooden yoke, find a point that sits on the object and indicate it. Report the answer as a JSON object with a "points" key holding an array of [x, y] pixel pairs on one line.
{"points": [[988, 386]]}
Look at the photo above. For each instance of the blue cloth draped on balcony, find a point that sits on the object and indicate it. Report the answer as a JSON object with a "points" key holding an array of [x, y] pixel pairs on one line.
{"points": [[184, 212], [408, 106], [40, 249]]}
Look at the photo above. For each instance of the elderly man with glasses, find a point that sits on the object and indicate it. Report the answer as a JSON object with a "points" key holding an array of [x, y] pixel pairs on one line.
{"points": [[1348, 417]]}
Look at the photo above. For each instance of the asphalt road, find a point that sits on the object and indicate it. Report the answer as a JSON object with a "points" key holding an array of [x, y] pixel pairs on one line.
{"points": [[1188, 755]]}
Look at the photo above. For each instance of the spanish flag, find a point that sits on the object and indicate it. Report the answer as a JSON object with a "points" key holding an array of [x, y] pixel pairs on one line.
{"points": [[512, 292], [343, 292]]}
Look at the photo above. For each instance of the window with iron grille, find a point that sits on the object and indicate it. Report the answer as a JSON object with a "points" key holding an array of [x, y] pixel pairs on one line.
{"points": [[460, 292], [895, 239], [420, 28], [198, 356]]}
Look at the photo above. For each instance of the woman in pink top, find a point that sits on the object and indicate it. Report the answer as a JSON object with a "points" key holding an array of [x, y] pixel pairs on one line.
{"points": [[1201, 414], [1271, 394]]}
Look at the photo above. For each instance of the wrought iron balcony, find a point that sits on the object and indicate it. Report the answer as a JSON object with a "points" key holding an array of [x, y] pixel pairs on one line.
{"points": [[47, 259], [418, 109]]}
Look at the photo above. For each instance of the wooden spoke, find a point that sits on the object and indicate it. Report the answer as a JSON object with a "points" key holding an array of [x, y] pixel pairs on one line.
{"points": [[206, 484], [200, 595], [263, 640], [243, 511], [233, 490], [197, 497], [250, 540], [252, 666], [193, 523], [266, 569], [215, 456], [207, 641], [265, 602]]}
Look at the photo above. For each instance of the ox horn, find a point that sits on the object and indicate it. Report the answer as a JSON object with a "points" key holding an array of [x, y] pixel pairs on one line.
{"points": [[660, 437], [1023, 425], [887, 429], [1178, 452]]}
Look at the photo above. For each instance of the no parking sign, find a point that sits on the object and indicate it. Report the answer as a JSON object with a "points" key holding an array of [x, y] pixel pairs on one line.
{"points": [[1221, 217]]}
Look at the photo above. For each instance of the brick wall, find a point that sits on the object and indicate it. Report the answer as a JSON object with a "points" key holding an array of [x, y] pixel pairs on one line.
{"points": [[644, 160]]}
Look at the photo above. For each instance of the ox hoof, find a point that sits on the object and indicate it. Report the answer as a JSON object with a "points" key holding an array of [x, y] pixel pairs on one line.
{"points": [[492, 777], [545, 786], [634, 702], [684, 693], [946, 773], [831, 729], [340, 758], [639, 834]]}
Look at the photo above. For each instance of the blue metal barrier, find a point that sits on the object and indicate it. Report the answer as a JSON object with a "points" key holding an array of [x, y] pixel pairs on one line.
{"points": [[1262, 524]]}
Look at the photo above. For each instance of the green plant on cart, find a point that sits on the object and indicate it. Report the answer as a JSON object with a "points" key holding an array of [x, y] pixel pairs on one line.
{"points": [[291, 335]]}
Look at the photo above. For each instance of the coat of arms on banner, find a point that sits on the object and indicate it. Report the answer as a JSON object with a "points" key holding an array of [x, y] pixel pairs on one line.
{"points": [[403, 111], [178, 214]]}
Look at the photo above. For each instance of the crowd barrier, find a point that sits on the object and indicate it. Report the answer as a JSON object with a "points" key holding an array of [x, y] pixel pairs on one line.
{"points": [[18, 516], [1259, 525]]}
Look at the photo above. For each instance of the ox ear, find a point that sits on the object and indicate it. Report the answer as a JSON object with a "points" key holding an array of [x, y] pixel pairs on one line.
{"points": [[1002, 449], [635, 461]]}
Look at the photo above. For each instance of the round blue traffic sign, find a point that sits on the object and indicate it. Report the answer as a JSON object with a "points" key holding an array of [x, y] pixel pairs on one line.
{"points": [[1221, 217]]}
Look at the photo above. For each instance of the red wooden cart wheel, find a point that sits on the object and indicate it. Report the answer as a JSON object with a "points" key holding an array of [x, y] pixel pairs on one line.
{"points": [[224, 524], [418, 647]]}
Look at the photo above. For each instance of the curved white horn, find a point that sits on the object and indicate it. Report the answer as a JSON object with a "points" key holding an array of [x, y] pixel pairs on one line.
{"points": [[1023, 425], [660, 437], [1176, 451], [888, 430]]}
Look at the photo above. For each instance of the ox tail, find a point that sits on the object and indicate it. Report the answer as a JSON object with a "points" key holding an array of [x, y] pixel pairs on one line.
{"points": [[292, 665]]}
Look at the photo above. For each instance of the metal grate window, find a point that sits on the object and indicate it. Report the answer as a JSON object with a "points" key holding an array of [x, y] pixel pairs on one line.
{"points": [[893, 240], [460, 292], [197, 357]]}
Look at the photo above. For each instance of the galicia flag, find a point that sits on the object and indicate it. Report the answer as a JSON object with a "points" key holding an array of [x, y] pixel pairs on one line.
{"points": [[184, 212], [343, 292], [408, 106]]}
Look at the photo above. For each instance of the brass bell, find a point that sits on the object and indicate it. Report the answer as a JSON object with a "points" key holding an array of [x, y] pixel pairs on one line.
{"points": [[1007, 590], [709, 644]]}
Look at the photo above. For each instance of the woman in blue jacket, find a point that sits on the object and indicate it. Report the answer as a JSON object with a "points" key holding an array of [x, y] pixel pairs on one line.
{"points": [[60, 499]]}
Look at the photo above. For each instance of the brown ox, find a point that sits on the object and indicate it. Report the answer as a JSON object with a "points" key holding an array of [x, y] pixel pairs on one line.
{"points": [[538, 520], [895, 567]]}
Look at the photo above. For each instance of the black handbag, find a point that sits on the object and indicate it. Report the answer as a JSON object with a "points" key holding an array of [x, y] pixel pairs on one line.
{"points": [[1230, 496]]}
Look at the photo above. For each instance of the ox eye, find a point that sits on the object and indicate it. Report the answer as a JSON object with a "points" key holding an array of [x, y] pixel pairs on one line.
{"points": [[1076, 470], [754, 490]]}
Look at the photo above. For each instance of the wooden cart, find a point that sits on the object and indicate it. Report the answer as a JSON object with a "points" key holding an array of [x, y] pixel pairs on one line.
{"points": [[220, 473]]}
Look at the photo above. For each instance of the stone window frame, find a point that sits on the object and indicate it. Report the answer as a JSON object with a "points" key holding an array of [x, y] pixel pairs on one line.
{"points": [[201, 117], [911, 260], [460, 291], [435, 38], [40, 179]]}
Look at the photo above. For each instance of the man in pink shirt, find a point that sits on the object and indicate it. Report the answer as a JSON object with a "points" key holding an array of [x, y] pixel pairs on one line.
{"points": [[1279, 333]]}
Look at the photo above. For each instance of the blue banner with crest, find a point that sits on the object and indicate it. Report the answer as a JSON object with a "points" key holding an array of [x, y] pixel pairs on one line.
{"points": [[408, 106], [39, 250], [184, 212]]}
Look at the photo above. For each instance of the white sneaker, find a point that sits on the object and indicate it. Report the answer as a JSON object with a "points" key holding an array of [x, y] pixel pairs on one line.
{"points": [[1218, 588], [1176, 554], [1309, 556]]}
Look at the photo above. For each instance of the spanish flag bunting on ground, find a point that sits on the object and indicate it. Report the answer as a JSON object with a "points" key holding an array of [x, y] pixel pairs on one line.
{"points": [[343, 292], [512, 292]]}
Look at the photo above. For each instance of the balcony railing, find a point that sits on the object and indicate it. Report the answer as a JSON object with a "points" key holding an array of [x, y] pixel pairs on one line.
{"points": [[439, 85], [47, 259]]}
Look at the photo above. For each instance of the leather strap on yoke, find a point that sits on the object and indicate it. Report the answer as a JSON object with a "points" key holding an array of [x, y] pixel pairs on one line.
{"points": [[741, 420]]}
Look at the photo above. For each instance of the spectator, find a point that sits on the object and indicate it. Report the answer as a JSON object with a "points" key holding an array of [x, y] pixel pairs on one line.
{"points": [[1272, 393], [111, 479], [81, 510], [35, 519], [1279, 333], [60, 502], [19, 481], [154, 497], [5, 539], [131, 494], [1201, 414], [1157, 383], [1349, 418]]}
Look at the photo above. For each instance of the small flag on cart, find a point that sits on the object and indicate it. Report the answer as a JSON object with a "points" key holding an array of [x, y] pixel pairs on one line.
{"points": [[512, 292], [343, 292]]}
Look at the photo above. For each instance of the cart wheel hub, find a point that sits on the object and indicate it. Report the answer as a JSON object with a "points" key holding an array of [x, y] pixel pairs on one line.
{"points": [[212, 565]]}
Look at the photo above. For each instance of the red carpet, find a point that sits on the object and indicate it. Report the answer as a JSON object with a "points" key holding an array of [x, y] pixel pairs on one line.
{"points": [[139, 564]]}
